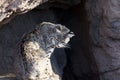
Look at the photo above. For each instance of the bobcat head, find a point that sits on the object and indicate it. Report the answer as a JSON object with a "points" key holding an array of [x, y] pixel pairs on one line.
{"points": [[55, 35], [48, 36]]}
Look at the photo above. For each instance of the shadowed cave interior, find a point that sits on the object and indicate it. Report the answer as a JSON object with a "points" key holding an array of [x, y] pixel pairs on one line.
{"points": [[80, 63]]}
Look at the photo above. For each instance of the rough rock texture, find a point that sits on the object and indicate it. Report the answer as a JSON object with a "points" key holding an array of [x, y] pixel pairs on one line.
{"points": [[9, 8], [104, 17], [60, 4], [95, 48]]}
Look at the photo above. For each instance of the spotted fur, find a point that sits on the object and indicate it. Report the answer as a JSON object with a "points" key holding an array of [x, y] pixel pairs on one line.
{"points": [[36, 49]]}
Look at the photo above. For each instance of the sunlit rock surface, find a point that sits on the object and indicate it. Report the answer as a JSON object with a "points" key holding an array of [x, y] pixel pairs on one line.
{"points": [[10, 8]]}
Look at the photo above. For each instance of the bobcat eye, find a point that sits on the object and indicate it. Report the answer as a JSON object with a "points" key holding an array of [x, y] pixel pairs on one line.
{"points": [[59, 28], [58, 31]]}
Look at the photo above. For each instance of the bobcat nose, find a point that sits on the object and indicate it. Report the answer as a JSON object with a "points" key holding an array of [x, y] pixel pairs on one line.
{"points": [[71, 34]]}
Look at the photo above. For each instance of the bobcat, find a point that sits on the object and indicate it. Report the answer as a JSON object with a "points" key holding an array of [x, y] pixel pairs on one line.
{"points": [[33, 62]]}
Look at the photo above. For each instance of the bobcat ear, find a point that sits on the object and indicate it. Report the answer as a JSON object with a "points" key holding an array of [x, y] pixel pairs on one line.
{"points": [[71, 34], [41, 25], [47, 23]]}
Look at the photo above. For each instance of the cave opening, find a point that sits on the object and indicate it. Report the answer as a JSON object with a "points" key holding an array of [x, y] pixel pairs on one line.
{"points": [[80, 64]]}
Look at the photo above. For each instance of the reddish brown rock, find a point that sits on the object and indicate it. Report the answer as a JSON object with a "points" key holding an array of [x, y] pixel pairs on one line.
{"points": [[104, 17], [9, 8]]}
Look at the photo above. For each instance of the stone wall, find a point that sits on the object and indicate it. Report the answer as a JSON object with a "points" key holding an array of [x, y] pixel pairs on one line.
{"points": [[95, 49], [104, 21]]}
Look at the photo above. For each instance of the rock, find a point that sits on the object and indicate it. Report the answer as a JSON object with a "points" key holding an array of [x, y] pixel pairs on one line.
{"points": [[10, 8], [104, 17], [68, 2], [61, 4]]}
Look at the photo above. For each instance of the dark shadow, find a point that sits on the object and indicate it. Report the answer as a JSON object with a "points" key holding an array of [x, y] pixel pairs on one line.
{"points": [[58, 61], [81, 64]]}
